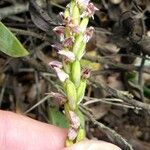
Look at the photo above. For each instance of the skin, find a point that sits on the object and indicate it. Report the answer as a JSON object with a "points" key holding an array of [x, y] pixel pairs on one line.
{"points": [[18, 132]]}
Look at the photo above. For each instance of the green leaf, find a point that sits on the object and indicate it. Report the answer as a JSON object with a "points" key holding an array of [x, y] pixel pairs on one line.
{"points": [[147, 91], [9, 44], [57, 118]]}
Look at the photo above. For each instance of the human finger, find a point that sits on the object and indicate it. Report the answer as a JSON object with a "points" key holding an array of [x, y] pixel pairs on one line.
{"points": [[18, 132]]}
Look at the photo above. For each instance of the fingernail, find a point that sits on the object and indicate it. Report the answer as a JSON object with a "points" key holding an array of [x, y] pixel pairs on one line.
{"points": [[93, 145]]}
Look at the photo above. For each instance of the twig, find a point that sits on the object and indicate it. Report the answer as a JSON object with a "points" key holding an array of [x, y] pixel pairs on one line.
{"points": [[104, 4], [103, 60], [12, 10], [37, 104], [111, 101], [126, 97], [112, 135], [36, 75], [30, 33], [137, 6], [16, 9], [57, 5], [19, 8], [53, 83]]}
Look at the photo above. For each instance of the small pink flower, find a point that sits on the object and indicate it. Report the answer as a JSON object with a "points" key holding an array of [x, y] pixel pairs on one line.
{"points": [[90, 10], [56, 65], [88, 34], [68, 42], [72, 134], [57, 46], [67, 20], [70, 25], [74, 29], [68, 54], [83, 3], [60, 31], [75, 120], [86, 73], [61, 74], [61, 99]]}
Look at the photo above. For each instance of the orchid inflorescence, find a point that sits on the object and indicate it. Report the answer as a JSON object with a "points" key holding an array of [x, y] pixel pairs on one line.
{"points": [[74, 35]]}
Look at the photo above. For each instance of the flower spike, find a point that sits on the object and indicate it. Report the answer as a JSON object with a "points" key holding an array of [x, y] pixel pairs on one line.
{"points": [[74, 36]]}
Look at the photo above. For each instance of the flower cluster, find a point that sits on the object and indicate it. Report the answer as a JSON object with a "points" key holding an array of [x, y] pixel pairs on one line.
{"points": [[74, 35]]}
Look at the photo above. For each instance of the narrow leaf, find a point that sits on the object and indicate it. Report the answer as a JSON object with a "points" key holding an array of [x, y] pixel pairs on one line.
{"points": [[57, 118], [9, 44]]}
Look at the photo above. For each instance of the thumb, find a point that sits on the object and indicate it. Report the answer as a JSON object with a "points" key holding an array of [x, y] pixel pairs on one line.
{"points": [[93, 145]]}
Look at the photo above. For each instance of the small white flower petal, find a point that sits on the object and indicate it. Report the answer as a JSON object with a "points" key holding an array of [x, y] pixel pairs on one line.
{"points": [[72, 134], [61, 74], [68, 42], [75, 120], [88, 34], [89, 10], [55, 64], [57, 46], [60, 99], [60, 31], [70, 55], [83, 3]]}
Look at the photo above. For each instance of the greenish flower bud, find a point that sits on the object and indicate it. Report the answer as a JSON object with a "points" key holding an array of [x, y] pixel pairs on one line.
{"points": [[76, 15], [84, 24], [66, 67], [82, 119], [81, 51], [77, 43], [71, 7], [66, 13], [80, 135], [81, 91], [67, 109], [67, 32], [69, 143], [71, 94], [76, 72]]}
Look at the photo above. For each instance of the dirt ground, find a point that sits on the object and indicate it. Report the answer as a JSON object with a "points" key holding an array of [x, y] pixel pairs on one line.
{"points": [[118, 92]]}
